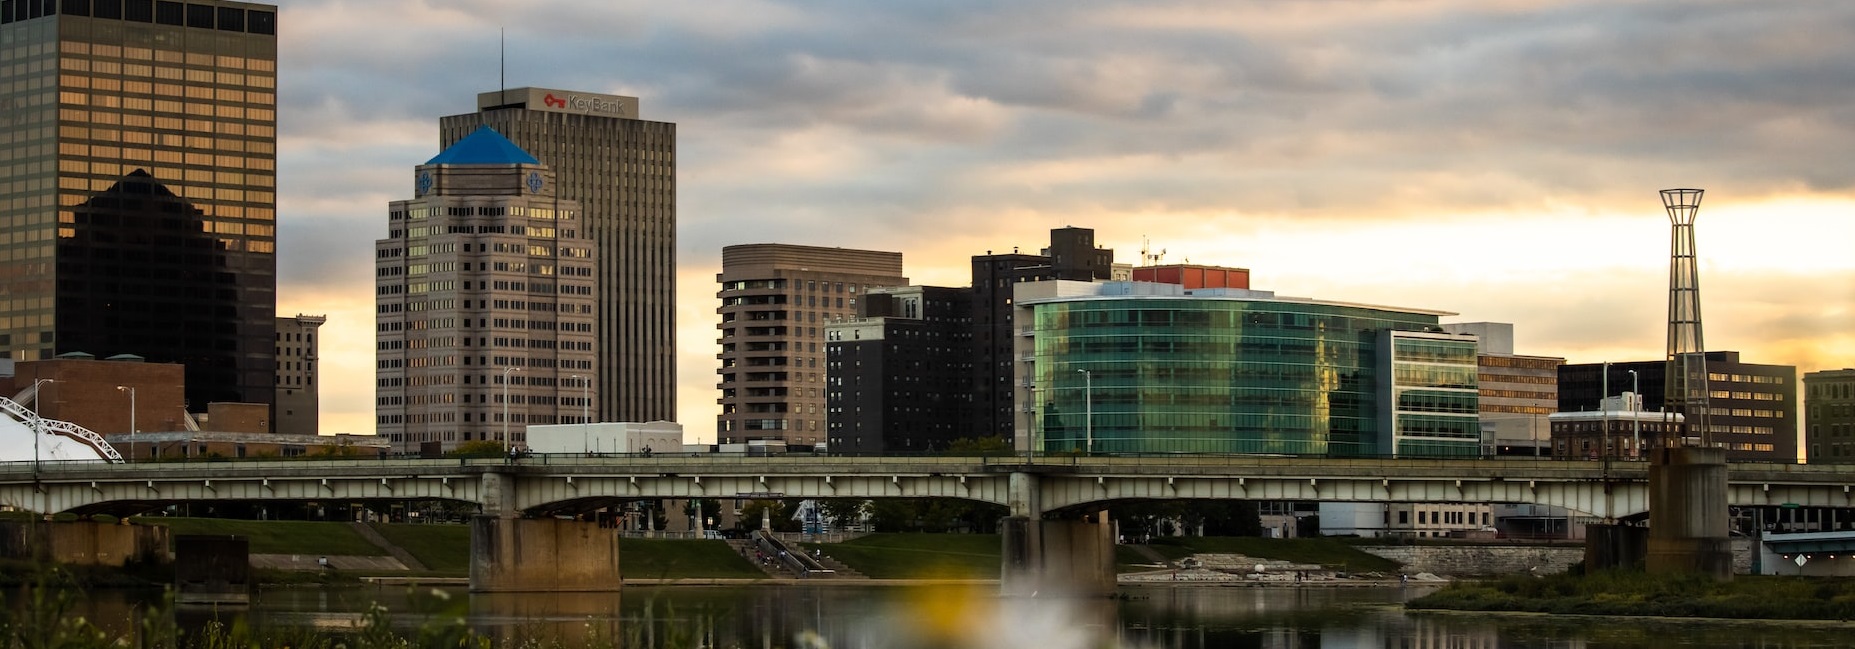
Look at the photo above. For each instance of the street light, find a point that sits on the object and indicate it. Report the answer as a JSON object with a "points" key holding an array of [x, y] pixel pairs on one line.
{"points": [[505, 405], [1636, 412], [1088, 412], [585, 446], [131, 391], [38, 421]]}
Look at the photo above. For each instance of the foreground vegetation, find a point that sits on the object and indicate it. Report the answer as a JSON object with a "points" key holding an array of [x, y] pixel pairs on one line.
{"points": [[1640, 594], [45, 616]]}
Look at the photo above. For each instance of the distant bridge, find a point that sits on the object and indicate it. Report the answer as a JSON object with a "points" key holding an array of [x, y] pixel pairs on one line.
{"points": [[1033, 487]]}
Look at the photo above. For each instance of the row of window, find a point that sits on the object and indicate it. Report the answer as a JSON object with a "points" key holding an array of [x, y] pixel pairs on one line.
{"points": [[159, 12]]}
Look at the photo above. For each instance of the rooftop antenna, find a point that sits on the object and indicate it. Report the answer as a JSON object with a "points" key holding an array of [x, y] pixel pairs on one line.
{"points": [[502, 65], [1150, 258]]}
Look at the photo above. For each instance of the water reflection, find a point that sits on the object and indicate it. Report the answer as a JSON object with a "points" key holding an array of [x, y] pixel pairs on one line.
{"points": [[961, 616]]}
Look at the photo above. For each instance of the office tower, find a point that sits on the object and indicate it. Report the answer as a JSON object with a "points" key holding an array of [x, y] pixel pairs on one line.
{"points": [[900, 373], [484, 295], [1753, 406], [776, 301], [1829, 420], [137, 187], [1072, 255], [1136, 367], [622, 171], [299, 401], [1518, 393]]}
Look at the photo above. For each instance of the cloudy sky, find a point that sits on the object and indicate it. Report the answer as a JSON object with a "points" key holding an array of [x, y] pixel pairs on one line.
{"points": [[1496, 158]]}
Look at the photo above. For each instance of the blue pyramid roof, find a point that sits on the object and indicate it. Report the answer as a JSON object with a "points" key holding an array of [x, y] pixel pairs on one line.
{"points": [[483, 147]]}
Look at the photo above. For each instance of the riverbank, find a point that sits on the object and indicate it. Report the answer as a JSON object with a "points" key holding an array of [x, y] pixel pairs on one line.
{"points": [[293, 552], [1635, 594]]}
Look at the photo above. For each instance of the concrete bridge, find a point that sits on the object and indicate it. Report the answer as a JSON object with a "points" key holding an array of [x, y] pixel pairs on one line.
{"points": [[1055, 526]]}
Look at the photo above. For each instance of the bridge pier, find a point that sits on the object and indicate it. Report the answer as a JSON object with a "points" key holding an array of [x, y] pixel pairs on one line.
{"points": [[1053, 556], [509, 554], [1688, 511]]}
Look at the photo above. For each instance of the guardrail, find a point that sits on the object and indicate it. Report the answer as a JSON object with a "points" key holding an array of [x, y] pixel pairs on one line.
{"points": [[847, 464]]}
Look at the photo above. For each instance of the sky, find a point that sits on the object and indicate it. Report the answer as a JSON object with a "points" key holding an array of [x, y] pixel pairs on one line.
{"points": [[1495, 158]]}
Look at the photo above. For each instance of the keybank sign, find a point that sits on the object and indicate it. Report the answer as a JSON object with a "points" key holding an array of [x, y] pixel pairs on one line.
{"points": [[581, 103]]}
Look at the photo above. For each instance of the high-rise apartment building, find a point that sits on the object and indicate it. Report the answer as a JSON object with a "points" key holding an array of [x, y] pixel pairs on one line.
{"points": [[1829, 416], [484, 294], [1751, 408], [137, 187], [622, 171], [1072, 256], [899, 375], [299, 400], [776, 301]]}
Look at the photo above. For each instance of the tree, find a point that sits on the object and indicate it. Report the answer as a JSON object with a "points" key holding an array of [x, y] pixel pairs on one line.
{"points": [[844, 512], [778, 511], [477, 448], [994, 445]]}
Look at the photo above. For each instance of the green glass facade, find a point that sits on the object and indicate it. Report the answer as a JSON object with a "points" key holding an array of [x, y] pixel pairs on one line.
{"points": [[1434, 393], [1228, 375]]}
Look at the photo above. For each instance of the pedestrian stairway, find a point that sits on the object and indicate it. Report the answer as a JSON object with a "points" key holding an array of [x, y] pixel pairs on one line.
{"points": [[745, 548]]}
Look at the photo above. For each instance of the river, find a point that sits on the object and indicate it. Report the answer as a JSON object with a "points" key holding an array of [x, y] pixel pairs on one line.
{"points": [[973, 616]]}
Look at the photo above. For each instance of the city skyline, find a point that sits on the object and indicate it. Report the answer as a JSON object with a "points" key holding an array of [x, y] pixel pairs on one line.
{"points": [[1500, 160]]}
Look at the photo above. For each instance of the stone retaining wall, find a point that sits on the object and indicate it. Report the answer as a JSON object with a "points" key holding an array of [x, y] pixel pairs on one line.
{"points": [[1489, 560], [1480, 560]]}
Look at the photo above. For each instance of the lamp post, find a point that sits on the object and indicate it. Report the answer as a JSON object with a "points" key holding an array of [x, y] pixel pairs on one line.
{"points": [[585, 445], [1088, 412], [38, 421], [1636, 413], [505, 405], [131, 391]]}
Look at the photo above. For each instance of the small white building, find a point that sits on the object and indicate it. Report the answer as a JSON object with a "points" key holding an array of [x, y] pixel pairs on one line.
{"points": [[607, 437]]}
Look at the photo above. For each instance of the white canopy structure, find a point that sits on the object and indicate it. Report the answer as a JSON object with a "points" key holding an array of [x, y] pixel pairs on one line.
{"points": [[57, 441]]}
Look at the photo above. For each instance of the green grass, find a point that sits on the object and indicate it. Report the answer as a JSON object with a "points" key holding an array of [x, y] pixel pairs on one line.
{"points": [[1639, 594], [919, 556], [277, 537], [443, 548], [1330, 553], [682, 559]]}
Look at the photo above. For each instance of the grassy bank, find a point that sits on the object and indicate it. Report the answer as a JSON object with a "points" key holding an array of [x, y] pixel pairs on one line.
{"points": [[919, 556], [1639, 594], [682, 559], [443, 548], [276, 537]]}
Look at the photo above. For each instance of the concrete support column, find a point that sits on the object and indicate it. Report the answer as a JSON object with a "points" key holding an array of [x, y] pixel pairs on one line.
{"points": [[1688, 512], [499, 495], [1058, 558], [1053, 557], [517, 555]]}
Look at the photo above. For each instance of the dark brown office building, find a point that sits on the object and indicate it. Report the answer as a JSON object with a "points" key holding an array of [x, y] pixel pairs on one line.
{"points": [[776, 301], [137, 187], [1752, 408], [1072, 255], [622, 171], [899, 375], [1829, 424]]}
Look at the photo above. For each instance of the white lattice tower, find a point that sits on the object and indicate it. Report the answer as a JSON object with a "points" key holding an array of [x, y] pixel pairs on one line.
{"points": [[1685, 380]]}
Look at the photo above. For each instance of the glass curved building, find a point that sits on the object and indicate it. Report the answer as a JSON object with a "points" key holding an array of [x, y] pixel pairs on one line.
{"points": [[1152, 368]]}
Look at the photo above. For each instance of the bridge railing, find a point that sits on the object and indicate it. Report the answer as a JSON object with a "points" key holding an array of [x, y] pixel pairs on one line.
{"points": [[570, 463]]}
